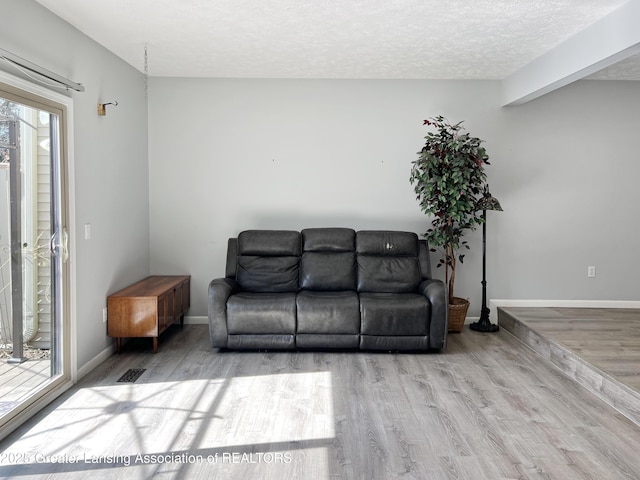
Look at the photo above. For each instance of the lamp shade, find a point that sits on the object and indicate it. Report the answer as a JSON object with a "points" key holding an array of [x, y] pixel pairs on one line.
{"points": [[488, 202]]}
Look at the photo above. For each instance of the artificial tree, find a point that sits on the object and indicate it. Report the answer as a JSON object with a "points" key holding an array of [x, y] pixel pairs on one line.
{"points": [[448, 177]]}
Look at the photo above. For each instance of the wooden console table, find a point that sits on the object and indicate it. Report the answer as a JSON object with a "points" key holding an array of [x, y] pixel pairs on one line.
{"points": [[147, 308]]}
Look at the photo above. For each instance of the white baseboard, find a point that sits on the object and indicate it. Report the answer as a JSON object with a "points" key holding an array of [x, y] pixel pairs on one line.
{"points": [[495, 303], [196, 320], [107, 352], [95, 361]]}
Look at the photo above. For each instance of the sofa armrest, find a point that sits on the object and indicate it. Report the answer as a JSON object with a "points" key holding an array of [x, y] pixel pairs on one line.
{"points": [[436, 293], [220, 289]]}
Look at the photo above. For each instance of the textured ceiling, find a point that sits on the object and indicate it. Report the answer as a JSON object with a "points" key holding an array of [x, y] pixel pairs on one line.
{"points": [[430, 39]]}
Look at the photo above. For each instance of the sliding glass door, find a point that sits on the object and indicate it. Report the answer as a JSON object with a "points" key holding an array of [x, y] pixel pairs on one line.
{"points": [[34, 353]]}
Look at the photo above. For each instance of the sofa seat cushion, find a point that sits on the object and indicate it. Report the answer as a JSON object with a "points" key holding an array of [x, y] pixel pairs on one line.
{"points": [[261, 313], [396, 314], [328, 312]]}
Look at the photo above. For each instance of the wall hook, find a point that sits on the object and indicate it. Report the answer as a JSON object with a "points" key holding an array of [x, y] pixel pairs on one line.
{"points": [[102, 107]]}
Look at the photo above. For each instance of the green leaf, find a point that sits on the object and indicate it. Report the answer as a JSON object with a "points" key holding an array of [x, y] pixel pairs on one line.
{"points": [[448, 176]]}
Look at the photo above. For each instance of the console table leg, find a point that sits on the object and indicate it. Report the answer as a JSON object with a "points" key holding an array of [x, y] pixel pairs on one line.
{"points": [[118, 344], [155, 344]]}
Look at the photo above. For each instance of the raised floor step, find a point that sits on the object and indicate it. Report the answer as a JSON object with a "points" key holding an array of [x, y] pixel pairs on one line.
{"points": [[598, 348]]}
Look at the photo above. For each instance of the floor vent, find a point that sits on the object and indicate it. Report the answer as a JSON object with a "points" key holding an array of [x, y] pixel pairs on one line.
{"points": [[132, 375]]}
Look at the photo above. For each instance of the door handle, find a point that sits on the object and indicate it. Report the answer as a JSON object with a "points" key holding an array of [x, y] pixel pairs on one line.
{"points": [[60, 248], [65, 245]]}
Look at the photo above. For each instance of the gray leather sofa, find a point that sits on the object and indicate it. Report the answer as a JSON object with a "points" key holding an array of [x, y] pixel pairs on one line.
{"points": [[328, 288]]}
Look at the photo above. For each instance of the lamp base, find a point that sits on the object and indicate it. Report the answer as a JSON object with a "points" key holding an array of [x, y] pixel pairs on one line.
{"points": [[484, 324]]}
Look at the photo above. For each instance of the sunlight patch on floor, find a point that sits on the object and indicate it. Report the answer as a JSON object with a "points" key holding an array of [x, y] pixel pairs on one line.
{"points": [[226, 423]]}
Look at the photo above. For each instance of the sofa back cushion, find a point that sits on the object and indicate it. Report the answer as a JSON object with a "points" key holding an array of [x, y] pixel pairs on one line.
{"points": [[387, 261], [268, 260], [328, 259]]}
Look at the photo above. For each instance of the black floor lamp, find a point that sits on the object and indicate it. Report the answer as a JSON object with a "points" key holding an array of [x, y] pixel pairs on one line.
{"points": [[487, 202]]}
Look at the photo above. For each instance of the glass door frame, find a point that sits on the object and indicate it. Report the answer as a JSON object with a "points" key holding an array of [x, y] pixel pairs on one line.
{"points": [[25, 92]]}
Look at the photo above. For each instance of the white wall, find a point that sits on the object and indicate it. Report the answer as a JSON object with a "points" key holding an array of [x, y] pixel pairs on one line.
{"points": [[570, 195], [228, 155], [111, 160]]}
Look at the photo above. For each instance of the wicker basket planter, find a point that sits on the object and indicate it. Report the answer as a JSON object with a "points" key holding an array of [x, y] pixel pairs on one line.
{"points": [[457, 314]]}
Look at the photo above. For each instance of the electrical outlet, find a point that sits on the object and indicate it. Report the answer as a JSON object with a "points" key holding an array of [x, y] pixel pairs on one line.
{"points": [[104, 315], [591, 271], [87, 231]]}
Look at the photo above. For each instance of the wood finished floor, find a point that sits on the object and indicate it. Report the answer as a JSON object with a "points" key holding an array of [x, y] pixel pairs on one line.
{"points": [[490, 408], [608, 338], [597, 347]]}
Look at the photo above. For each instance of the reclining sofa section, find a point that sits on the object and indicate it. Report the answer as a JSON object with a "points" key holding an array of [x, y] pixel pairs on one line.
{"points": [[328, 288]]}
